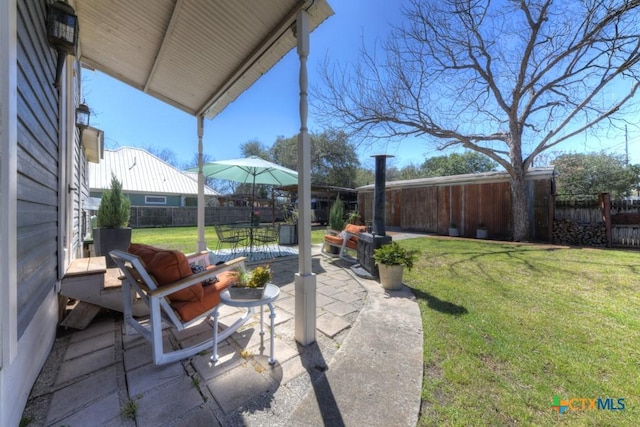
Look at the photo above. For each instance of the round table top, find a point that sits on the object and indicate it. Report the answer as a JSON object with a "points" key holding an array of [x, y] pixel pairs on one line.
{"points": [[271, 293]]}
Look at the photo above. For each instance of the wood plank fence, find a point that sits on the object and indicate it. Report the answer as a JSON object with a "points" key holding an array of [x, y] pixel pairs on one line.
{"points": [[597, 222], [176, 216]]}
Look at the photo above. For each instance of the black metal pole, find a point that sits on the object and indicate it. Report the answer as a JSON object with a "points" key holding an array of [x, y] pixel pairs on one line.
{"points": [[379, 194]]}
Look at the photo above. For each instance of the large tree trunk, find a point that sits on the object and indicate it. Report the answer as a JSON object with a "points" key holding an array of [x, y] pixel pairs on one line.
{"points": [[519, 205]]}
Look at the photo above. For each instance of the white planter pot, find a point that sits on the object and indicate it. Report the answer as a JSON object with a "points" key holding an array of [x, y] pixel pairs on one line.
{"points": [[391, 276]]}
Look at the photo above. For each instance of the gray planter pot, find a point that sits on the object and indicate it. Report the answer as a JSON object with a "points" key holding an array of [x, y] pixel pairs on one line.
{"points": [[288, 234], [107, 239], [246, 293]]}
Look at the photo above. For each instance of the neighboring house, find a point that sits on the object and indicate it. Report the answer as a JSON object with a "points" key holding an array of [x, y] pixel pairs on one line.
{"points": [[146, 179], [163, 50]]}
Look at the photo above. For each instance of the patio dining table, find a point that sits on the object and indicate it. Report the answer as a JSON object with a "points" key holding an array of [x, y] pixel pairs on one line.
{"points": [[246, 232]]}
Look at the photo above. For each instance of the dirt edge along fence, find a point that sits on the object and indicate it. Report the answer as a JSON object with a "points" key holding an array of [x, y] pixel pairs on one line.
{"points": [[597, 221]]}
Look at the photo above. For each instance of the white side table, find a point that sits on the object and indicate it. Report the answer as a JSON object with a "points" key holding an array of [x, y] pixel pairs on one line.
{"points": [[271, 293]]}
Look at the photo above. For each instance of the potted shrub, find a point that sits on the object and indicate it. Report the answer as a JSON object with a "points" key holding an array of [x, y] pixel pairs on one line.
{"points": [[288, 232], [250, 285], [453, 230], [354, 218], [391, 260], [113, 218], [336, 222]]}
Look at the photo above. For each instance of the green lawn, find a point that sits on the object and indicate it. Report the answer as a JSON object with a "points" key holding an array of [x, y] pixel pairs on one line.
{"points": [[509, 326], [185, 239]]}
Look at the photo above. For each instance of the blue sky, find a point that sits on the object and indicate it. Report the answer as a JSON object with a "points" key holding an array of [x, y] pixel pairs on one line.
{"points": [[270, 107]]}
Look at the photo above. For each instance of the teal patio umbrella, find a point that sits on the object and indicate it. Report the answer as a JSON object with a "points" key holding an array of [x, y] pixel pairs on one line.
{"points": [[252, 170]]}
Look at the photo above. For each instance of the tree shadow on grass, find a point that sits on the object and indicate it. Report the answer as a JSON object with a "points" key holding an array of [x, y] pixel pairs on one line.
{"points": [[437, 304]]}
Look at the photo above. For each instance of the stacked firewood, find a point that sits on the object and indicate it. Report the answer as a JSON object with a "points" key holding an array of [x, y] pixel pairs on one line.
{"points": [[567, 232]]}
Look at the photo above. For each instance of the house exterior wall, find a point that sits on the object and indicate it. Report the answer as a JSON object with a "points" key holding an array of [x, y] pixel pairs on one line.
{"points": [[31, 191]]}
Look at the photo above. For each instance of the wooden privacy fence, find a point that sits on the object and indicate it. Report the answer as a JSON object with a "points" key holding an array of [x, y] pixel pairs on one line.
{"points": [[597, 222], [175, 216]]}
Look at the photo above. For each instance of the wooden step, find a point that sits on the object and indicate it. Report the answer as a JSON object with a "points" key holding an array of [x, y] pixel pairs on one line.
{"points": [[89, 280]]}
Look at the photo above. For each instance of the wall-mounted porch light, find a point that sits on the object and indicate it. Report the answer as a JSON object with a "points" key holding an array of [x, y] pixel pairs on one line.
{"points": [[83, 115], [62, 33]]}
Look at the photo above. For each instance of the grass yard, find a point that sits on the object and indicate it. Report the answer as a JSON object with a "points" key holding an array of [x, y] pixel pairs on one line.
{"points": [[509, 326], [185, 239]]}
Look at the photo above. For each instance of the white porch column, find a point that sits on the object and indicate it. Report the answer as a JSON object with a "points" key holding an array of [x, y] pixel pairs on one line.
{"points": [[202, 245], [305, 280]]}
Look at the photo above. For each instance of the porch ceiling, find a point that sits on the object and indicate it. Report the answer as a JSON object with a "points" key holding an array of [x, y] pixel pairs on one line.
{"points": [[197, 55]]}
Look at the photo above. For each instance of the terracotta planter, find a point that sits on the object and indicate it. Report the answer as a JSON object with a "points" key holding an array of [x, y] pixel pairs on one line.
{"points": [[391, 276]]}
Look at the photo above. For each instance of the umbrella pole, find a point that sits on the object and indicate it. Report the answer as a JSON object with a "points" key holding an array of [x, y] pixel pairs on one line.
{"points": [[253, 202]]}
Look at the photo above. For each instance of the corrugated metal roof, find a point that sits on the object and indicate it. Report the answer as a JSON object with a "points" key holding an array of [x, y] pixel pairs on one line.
{"points": [[142, 172], [470, 178], [198, 55]]}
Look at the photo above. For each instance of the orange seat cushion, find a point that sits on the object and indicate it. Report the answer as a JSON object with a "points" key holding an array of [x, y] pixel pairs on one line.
{"points": [[352, 243], [189, 310], [168, 266]]}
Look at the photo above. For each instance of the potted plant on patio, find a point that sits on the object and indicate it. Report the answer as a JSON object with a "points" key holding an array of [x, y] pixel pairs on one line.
{"points": [[288, 232], [336, 222], [250, 285], [113, 217], [391, 260]]}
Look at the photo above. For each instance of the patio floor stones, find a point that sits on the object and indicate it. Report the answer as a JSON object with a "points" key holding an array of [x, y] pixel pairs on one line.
{"points": [[151, 376], [340, 308], [90, 362], [238, 387], [331, 325], [104, 412], [167, 402], [66, 401]]}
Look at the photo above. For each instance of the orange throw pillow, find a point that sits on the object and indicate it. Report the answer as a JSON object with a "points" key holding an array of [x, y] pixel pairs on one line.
{"points": [[355, 229], [168, 266]]}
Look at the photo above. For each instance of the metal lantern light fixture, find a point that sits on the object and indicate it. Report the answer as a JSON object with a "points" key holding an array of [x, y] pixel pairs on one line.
{"points": [[62, 32], [82, 116]]}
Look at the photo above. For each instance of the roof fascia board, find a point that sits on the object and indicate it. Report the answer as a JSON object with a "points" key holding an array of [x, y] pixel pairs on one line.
{"points": [[485, 178]]}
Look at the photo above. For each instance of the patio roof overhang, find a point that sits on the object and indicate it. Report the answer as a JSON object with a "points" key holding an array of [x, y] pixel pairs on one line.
{"points": [[197, 55]]}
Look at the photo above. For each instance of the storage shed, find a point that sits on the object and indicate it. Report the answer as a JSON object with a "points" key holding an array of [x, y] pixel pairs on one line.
{"points": [[432, 204]]}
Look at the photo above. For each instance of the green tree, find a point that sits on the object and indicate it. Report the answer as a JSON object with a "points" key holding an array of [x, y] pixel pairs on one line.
{"points": [[165, 154], [584, 175], [255, 148], [333, 157], [507, 79], [457, 164]]}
